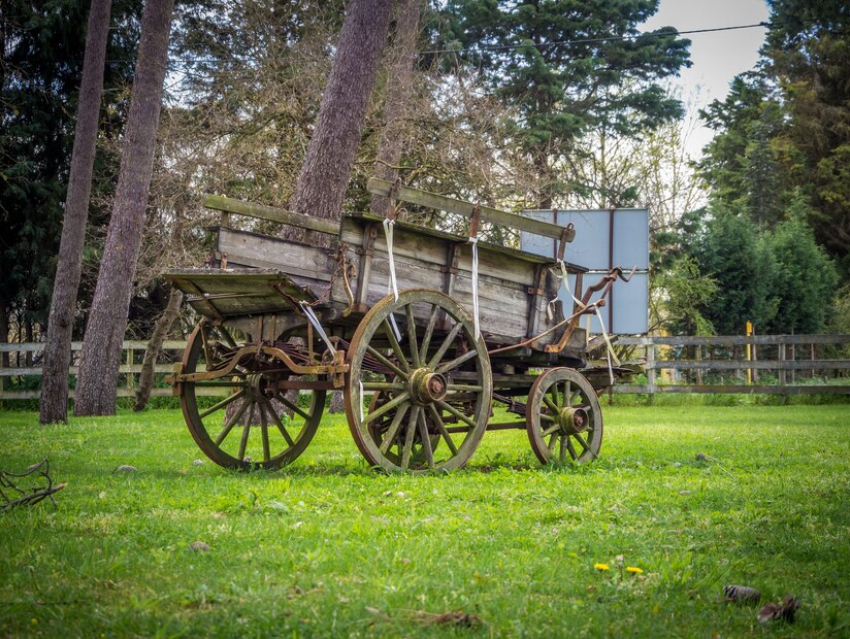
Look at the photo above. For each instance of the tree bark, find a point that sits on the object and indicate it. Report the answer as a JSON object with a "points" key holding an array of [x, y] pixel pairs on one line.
{"points": [[321, 184], [397, 104], [57, 349], [163, 326], [96, 387], [396, 110]]}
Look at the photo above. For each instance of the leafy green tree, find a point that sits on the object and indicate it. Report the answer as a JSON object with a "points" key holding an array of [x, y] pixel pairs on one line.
{"points": [[685, 291], [567, 67], [806, 278], [730, 252]]}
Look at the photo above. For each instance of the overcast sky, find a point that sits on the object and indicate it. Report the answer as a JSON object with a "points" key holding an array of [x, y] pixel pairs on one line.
{"points": [[717, 57]]}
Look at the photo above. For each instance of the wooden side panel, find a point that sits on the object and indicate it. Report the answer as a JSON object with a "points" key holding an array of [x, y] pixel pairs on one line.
{"points": [[421, 262], [262, 251]]}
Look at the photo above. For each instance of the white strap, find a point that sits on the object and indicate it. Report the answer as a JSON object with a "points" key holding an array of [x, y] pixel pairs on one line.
{"points": [[474, 242], [311, 317], [563, 276], [388, 233], [611, 353]]}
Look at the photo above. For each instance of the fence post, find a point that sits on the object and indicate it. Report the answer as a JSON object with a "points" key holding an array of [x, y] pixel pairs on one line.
{"points": [[650, 368], [781, 362]]}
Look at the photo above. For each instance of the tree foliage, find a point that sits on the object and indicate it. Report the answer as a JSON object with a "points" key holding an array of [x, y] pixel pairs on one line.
{"points": [[568, 67]]}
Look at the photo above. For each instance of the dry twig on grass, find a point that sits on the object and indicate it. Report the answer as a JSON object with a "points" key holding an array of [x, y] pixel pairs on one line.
{"points": [[12, 495]]}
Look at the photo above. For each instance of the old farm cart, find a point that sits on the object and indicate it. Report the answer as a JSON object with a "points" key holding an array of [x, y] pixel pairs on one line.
{"points": [[421, 330]]}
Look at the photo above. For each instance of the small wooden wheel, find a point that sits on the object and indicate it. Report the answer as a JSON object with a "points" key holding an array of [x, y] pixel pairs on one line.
{"points": [[434, 382], [563, 417], [256, 425]]}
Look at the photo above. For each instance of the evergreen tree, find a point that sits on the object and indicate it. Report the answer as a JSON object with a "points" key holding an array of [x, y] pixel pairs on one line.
{"points": [[805, 279], [567, 67], [731, 253]]}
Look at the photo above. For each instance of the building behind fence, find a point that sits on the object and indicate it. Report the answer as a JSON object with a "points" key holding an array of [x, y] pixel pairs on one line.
{"points": [[773, 364]]}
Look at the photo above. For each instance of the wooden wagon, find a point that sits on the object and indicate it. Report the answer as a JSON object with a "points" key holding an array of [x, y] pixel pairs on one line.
{"points": [[421, 330]]}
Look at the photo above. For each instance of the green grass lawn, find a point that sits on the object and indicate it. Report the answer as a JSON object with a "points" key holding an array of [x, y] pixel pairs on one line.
{"points": [[328, 547]]}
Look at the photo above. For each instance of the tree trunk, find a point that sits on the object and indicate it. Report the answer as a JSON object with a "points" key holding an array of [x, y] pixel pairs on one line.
{"points": [[396, 110], [397, 105], [4, 332], [96, 387], [324, 175], [57, 349], [163, 326]]}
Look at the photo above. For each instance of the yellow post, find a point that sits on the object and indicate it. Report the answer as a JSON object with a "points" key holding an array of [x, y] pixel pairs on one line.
{"points": [[749, 353]]}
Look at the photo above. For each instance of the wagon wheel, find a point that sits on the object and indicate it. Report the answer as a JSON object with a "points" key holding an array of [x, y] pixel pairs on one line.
{"points": [[564, 419], [424, 388], [254, 425]]}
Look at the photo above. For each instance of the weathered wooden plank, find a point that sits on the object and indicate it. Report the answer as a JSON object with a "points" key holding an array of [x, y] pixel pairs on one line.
{"points": [[459, 207], [234, 292], [727, 365], [271, 213], [733, 340], [244, 248]]}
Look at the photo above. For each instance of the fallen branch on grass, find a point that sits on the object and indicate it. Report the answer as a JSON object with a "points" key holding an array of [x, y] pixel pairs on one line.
{"points": [[11, 495]]}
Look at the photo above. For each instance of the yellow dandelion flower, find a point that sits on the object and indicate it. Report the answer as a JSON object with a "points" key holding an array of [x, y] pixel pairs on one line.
{"points": [[634, 569], [601, 566]]}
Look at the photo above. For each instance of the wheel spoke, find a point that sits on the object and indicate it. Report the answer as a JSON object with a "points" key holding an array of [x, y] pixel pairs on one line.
{"points": [[393, 431], [228, 426], [552, 406], [264, 427], [293, 407], [562, 455], [383, 360], [445, 345], [426, 439], [545, 417], [552, 441], [429, 332], [464, 418], [221, 404], [399, 355], [395, 401], [246, 430], [442, 428], [584, 445], [411, 336], [567, 392], [549, 431], [448, 366], [408, 439], [556, 397], [570, 448], [277, 421], [382, 386]]}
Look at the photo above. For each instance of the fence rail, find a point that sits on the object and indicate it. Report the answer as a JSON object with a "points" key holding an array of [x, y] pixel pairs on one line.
{"points": [[778, 364]]}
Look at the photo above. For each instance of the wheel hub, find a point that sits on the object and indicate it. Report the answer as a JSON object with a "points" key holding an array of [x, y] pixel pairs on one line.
{"points": [[427, 387], [256, 386], [573, 420]]}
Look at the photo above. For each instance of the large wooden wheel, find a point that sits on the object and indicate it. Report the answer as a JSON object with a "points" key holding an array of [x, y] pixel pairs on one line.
{"points": [[563, 417], [256, 424], [434, 383]]}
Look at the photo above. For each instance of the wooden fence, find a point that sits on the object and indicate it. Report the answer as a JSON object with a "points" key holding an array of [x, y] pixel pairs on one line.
{"points": [[758, 364], [20, 365], [778, 364]]}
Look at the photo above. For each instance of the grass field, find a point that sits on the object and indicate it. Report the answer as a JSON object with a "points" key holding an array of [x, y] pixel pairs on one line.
{"points": [[328, 547]]}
